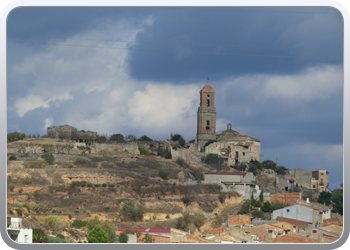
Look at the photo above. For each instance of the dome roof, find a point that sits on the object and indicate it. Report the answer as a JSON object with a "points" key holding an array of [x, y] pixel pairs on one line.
{"points": [[207, 87]]}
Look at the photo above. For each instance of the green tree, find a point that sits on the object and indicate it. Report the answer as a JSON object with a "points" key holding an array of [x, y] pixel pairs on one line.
{"points": [[209, 142], [261, 196], [214, 160], [182, 142], [97, 235], [123, 238], [268, 164], [148, 239], [325, 197], [282, 170], [117, 138], [337, 200], [144, 138], [176, 137], [267, 207], [15, 136]]}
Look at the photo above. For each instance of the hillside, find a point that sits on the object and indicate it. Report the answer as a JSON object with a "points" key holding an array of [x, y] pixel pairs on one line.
{"points": [[99, 183]]}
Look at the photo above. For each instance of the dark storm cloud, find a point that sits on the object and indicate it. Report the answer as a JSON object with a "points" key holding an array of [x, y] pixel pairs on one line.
{"points": [[305, 31]]}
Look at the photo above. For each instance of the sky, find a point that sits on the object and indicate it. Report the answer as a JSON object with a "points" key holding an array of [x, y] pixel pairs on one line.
{"points": [[277, 73]]}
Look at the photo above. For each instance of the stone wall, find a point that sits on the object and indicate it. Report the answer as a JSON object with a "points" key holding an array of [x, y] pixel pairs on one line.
{"points": [[190, 155]]}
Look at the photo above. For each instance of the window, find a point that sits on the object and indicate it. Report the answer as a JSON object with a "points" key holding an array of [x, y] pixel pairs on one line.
{"points": [[208, 95], [314, 186], [208, 103], [243, 153], [288, 210], [208, 122], [321, 173]]}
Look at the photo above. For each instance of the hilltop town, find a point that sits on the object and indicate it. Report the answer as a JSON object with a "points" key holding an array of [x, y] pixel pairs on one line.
{"points": [[71, 184]]}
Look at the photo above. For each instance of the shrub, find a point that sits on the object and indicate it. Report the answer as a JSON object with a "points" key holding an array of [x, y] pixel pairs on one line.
{"points": [[184, 221], [97, 185], [90, 185], [56, 240], [164, 174], [34, 164], [53, 222], [12, 158], [80, 160], [83, 184], [258, 214], [27, 207], [76, 211], [145, 152], [167, 216], [198, 220], [222, 197], [20, 190], [104, 185], [79, 223], [214, 160], [53, 211], [111, 185], [70, 217], [27, 180], [11, 187], [49, 158], [133, 211], [164, 152]]}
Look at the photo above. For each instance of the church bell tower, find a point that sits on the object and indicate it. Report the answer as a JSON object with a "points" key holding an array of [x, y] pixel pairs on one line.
{"points": [[206, 116]]}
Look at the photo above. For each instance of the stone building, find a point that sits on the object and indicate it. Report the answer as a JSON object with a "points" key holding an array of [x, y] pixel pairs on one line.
{"points": [[233, 146], [316, 180], [67, 131]]}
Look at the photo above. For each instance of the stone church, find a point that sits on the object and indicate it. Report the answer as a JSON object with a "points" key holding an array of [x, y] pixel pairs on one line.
{"points": [[233, 146]]}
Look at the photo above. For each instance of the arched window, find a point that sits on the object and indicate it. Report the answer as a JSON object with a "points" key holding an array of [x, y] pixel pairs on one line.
{"points": [[208, 122], [208, 103]]}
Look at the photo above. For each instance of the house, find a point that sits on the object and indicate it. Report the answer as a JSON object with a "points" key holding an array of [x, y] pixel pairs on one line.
{"points": [[240, 182], [19, 231], [293, 239], [312, 213], [297, 225]]}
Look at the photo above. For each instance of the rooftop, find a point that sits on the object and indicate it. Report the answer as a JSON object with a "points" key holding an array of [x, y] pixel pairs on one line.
{"points": [[227, 173], [207, 87]]}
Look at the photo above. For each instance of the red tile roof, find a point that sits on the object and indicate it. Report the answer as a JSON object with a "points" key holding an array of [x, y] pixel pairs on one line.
{"points": [[208, 87], [147, 230], [227, 173]]}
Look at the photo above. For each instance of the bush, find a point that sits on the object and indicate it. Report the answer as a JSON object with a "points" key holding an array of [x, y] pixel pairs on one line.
{"points": [[49, 158], [258, 214], [26, 207], [214, 160], [164, 174], [11, 187], [79, 224], [90, 185], [198, 220], [34, 164], [183, 222], [12, 158], [145, 152], [80, 160], [164, 152], [15, 136], [222, 197], [56, 240], [20, 190], [133, 211], [104, 185], [53, 222]]}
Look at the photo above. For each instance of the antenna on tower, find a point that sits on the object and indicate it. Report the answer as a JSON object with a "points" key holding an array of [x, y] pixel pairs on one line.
{"points": [[207, 79]]}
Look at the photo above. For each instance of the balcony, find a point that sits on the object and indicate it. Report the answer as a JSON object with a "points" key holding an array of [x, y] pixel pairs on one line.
{"points": [[321, 184]]}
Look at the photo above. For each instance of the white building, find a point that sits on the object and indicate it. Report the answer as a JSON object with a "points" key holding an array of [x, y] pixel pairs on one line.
{"points": [[19, 231]]}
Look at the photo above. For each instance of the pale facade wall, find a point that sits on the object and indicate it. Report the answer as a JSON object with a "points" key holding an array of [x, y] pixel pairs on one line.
{"points": [[296, 212], [223, 177]]}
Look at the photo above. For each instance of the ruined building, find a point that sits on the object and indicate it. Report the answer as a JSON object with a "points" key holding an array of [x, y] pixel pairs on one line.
{"points": [[70, 132], [233, 146]]}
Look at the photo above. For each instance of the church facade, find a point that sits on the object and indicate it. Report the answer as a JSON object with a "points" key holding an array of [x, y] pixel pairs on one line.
{"points": [[231, 145]]}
